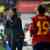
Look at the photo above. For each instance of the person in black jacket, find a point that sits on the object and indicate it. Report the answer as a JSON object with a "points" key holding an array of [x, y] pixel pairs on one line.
{"points": [[15, 25], [18, 32]]}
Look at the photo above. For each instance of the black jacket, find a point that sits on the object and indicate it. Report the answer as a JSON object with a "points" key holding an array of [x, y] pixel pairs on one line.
{"points": [[16, 26]]}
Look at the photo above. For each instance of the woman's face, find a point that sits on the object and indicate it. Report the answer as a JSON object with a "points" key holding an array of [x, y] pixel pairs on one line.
{"points": [[9, 12]]}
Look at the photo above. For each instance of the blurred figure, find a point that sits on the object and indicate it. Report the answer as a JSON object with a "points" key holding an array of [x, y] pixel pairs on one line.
{"points": [[8, 29], [27, 35], [14, 29], [2, 23], [39, 30], [18, 34]]}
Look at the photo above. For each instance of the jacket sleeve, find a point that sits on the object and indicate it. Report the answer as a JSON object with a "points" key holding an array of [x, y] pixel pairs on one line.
{"points": [[19, 22], [20, 29]]}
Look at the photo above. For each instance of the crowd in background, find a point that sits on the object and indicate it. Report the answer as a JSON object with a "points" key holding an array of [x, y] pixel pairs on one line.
{"points": [[14, 34]]}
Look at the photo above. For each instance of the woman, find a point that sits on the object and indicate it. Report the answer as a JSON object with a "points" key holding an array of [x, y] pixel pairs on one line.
{"points": [[14, 26]]}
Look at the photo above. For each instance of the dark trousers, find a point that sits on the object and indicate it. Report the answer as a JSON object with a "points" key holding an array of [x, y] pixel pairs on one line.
{"points": [[17, 43], [42, 46], [9, 42], [14, 44]]}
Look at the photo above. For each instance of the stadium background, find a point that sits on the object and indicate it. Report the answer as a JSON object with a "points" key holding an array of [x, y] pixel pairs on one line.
{"points": [[26, 9]]}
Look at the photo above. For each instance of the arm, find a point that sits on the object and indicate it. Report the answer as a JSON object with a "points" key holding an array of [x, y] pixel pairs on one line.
{"points": [[20, 29], [32, 27], [19, 22]]}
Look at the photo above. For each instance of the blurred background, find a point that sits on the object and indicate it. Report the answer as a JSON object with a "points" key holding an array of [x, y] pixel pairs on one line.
{"points": [[26, 9]]}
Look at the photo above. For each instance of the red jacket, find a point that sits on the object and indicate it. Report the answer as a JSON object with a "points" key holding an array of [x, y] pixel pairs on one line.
{"points": [[39, 29]]}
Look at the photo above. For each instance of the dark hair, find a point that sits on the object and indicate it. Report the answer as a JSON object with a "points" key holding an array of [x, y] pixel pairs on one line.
{"points": [[41, 9], [14, 10], [6, 9]]}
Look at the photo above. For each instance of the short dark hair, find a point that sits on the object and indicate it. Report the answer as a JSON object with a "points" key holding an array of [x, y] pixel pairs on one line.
{"points": [[41, 9], [14, 10]]}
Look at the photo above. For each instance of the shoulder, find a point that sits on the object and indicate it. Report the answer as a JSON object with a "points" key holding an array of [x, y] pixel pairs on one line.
{"points": [[49, 18], [18, 19], [33, 18]]}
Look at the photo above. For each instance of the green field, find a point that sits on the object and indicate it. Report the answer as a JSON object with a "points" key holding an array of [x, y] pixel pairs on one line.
{"points": [[1, 48]]}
